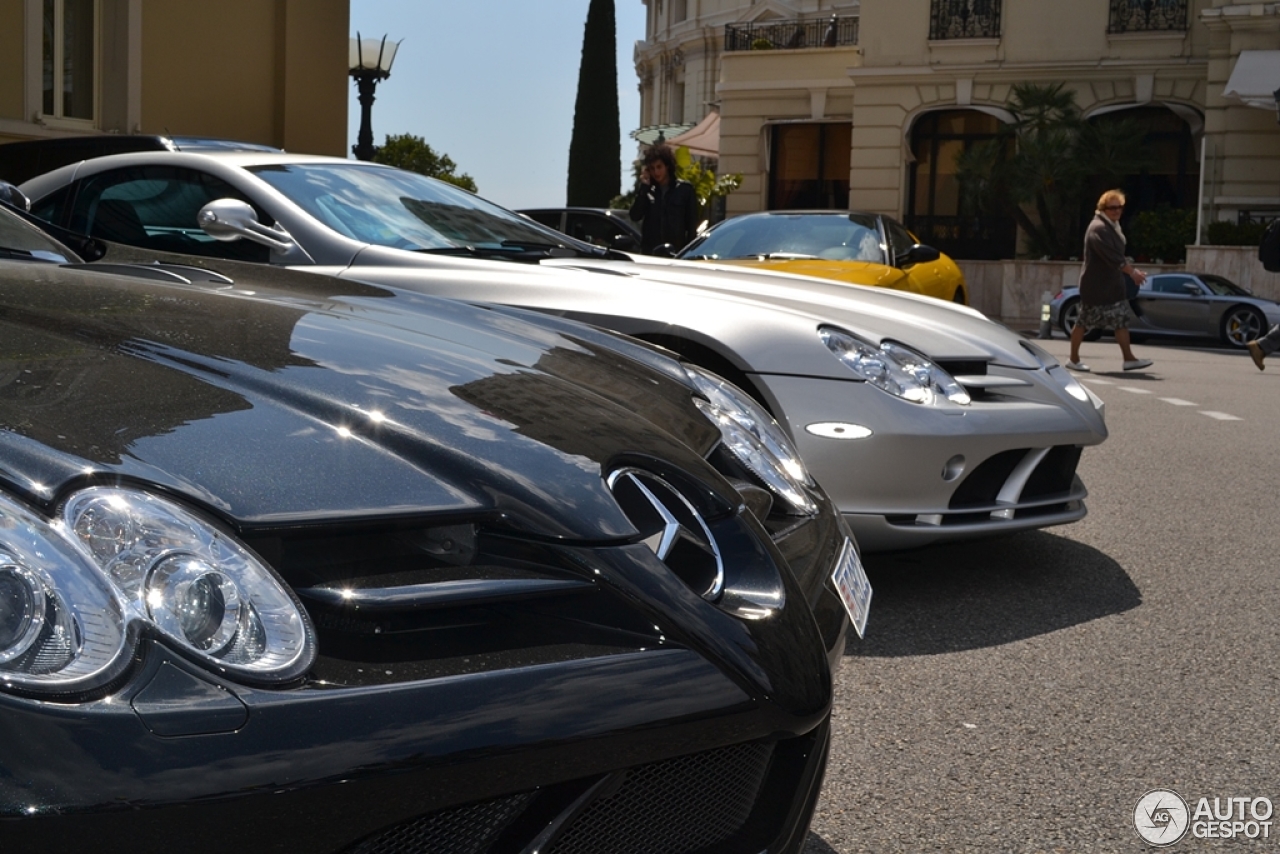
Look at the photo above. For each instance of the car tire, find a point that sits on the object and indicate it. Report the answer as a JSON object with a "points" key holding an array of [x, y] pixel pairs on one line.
{"points": [[1068, 314], [1242, 324]]}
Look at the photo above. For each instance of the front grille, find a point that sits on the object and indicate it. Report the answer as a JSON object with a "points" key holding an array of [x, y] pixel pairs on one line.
{"points": [[677, 806], [983, 484], [681, 805], [465, 830]]}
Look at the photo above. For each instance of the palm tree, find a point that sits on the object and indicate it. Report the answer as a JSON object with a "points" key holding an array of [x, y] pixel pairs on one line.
{"points": [[1037, 169]]}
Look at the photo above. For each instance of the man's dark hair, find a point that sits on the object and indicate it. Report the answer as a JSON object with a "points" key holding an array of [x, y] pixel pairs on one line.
{"points": [[666, 155]]}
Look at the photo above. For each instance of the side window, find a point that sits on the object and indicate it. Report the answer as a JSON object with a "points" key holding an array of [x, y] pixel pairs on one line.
{"points": [[551, 219], [593, 229], [1173, 285], [155, 207], [900, 241]]}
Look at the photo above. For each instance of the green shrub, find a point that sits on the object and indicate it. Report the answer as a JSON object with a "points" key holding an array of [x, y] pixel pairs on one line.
{"points": [[1227, 233], [1162, 234]]}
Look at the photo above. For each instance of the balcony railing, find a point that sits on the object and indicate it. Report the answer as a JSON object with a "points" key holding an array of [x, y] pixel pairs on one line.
{"points": [[791, 34], [964, 19], [1147, 16]]}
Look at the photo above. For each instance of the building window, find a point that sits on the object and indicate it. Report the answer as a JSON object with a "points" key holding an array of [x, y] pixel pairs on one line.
{"points": [[675, 110], [69, 58], [964, 19], [1146, 16], [679, 11], [935, 210], [809, 166]]}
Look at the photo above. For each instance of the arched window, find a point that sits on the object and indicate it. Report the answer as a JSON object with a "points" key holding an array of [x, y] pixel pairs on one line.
{"points": [[934, 210]]}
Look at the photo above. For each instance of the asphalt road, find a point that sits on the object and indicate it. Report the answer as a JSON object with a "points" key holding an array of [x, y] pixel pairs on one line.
{"points": [[1023, 693]]}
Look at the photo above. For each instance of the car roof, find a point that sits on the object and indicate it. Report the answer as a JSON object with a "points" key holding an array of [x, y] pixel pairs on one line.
{"points": [[20, 161]]}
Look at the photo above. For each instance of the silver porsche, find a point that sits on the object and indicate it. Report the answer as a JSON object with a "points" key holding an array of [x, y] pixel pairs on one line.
{"points": [[924, 421]]}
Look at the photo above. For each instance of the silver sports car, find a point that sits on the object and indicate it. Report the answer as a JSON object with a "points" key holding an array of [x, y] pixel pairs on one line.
{"points": [[1185, 305], [923, 420]]}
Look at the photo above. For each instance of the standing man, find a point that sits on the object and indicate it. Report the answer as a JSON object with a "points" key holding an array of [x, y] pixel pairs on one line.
{"points": [[666, 207], [1269, 255], [1103, 301]]}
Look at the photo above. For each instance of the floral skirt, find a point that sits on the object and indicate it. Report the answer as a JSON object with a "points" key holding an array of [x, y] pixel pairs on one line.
{"points": [[1117, 315]]}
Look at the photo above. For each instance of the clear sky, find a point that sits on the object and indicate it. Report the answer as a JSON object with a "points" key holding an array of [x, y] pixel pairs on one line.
{"points": [[492, 83]]}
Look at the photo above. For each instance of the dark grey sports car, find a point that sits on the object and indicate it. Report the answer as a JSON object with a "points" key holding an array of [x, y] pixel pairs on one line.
{"points": [[295, 564], [1185, 305]]}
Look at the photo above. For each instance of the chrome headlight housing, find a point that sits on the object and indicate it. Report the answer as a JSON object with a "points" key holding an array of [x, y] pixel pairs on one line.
{"points": [[754, 438], [76, 594], [894, 368]]}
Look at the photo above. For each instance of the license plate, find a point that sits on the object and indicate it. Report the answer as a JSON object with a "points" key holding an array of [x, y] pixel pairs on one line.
{"points": [[855, 590]]}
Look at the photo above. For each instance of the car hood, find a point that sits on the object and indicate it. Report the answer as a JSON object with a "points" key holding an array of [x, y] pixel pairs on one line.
{"points": [[940, 330], [281, 407]]}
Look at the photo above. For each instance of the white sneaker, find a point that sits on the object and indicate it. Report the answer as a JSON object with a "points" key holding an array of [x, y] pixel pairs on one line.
{"points": [[1082, 367], [1135, 364]]}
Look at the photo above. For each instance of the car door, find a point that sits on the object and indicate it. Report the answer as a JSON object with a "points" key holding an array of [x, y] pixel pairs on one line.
{"points": [[1175, 303], [151, 207]]}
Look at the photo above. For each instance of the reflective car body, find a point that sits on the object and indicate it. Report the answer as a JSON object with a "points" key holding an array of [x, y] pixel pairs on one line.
{"points": [[904, 472], [854, 247], [1185, 305], [329, 568]]}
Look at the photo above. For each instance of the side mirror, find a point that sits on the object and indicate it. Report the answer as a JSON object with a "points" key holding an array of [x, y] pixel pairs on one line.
{"points": [[1191, 289], [920, 253], [232, 219], [624, 243], [666, 250]]}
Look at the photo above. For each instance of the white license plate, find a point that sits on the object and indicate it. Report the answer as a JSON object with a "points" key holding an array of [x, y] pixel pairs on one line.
{"points": [[855, 590]]}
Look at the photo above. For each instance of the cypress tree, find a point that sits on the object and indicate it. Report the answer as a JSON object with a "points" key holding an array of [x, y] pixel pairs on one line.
{"points": [[595, 149]]}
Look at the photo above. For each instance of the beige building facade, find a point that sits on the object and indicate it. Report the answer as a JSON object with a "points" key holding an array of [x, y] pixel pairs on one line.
{"points": [[264, 71], [866, 105]]}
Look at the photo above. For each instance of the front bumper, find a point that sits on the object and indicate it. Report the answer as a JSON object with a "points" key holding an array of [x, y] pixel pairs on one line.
{"points": [[905, 475], [707, 731]]}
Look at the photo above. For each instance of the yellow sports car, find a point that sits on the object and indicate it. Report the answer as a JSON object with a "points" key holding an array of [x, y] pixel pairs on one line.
{"points": [[848, 246]]}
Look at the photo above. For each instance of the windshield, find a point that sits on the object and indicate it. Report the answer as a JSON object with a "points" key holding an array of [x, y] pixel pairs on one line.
{"points": [[1223, 287], [23, 241], [835, 237], [404, 210]]}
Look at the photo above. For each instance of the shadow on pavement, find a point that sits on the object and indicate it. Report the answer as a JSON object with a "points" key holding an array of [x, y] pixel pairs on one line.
{"points": [[972, 595]]}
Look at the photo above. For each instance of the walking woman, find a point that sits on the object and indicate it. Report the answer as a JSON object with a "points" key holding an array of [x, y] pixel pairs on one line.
{"points": [[1103, 301]]}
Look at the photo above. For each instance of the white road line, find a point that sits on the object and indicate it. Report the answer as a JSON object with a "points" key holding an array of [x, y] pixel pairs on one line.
{"points": [[1220, 416], [1132, 390], [1177, 401], [1092, 381]]}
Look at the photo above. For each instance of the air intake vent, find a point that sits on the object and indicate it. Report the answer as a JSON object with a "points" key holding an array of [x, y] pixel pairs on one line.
{"points": [[672, 528]]}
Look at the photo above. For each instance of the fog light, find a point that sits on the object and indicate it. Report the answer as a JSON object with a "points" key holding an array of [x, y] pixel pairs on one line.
{"points": [[954, 468]]}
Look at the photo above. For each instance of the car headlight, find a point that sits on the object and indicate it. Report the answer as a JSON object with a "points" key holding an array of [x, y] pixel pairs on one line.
{"points": [[894, 368], [754, 438], [75, 595]]}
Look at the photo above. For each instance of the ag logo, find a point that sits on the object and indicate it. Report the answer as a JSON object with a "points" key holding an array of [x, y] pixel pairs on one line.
{"points": [[1161, 817]]}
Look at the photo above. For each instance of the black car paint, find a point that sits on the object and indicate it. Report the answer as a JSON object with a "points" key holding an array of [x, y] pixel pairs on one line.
{"points": [[112, 375]]}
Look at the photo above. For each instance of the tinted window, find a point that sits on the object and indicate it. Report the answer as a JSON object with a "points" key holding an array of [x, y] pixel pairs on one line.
{"points": [[595, 228], [1174, 285], [155, 207], [1223, 287], [900, 242]]}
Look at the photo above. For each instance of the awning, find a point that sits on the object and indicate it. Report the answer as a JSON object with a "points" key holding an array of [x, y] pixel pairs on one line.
{"points": [[1255, 79], [703, 139], [653, 133]]}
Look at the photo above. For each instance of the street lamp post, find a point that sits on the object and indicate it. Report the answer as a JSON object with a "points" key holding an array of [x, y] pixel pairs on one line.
{"points": [[370, 63]]}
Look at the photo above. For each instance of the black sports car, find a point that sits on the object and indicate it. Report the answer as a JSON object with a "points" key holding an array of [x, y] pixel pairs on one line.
{"points": [[293, 564]]}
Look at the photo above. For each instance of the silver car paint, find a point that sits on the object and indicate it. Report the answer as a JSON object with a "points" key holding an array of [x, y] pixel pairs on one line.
{"points": [[766, 325]]}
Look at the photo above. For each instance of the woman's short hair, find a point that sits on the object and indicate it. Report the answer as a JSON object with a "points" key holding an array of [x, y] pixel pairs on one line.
{"points": [[663, 153], [1110, 197]]}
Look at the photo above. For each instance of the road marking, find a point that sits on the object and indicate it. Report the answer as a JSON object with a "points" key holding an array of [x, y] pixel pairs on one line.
{"points": [[1092, 381], [1177, 401], [1132, 390], [1220, 416]]}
